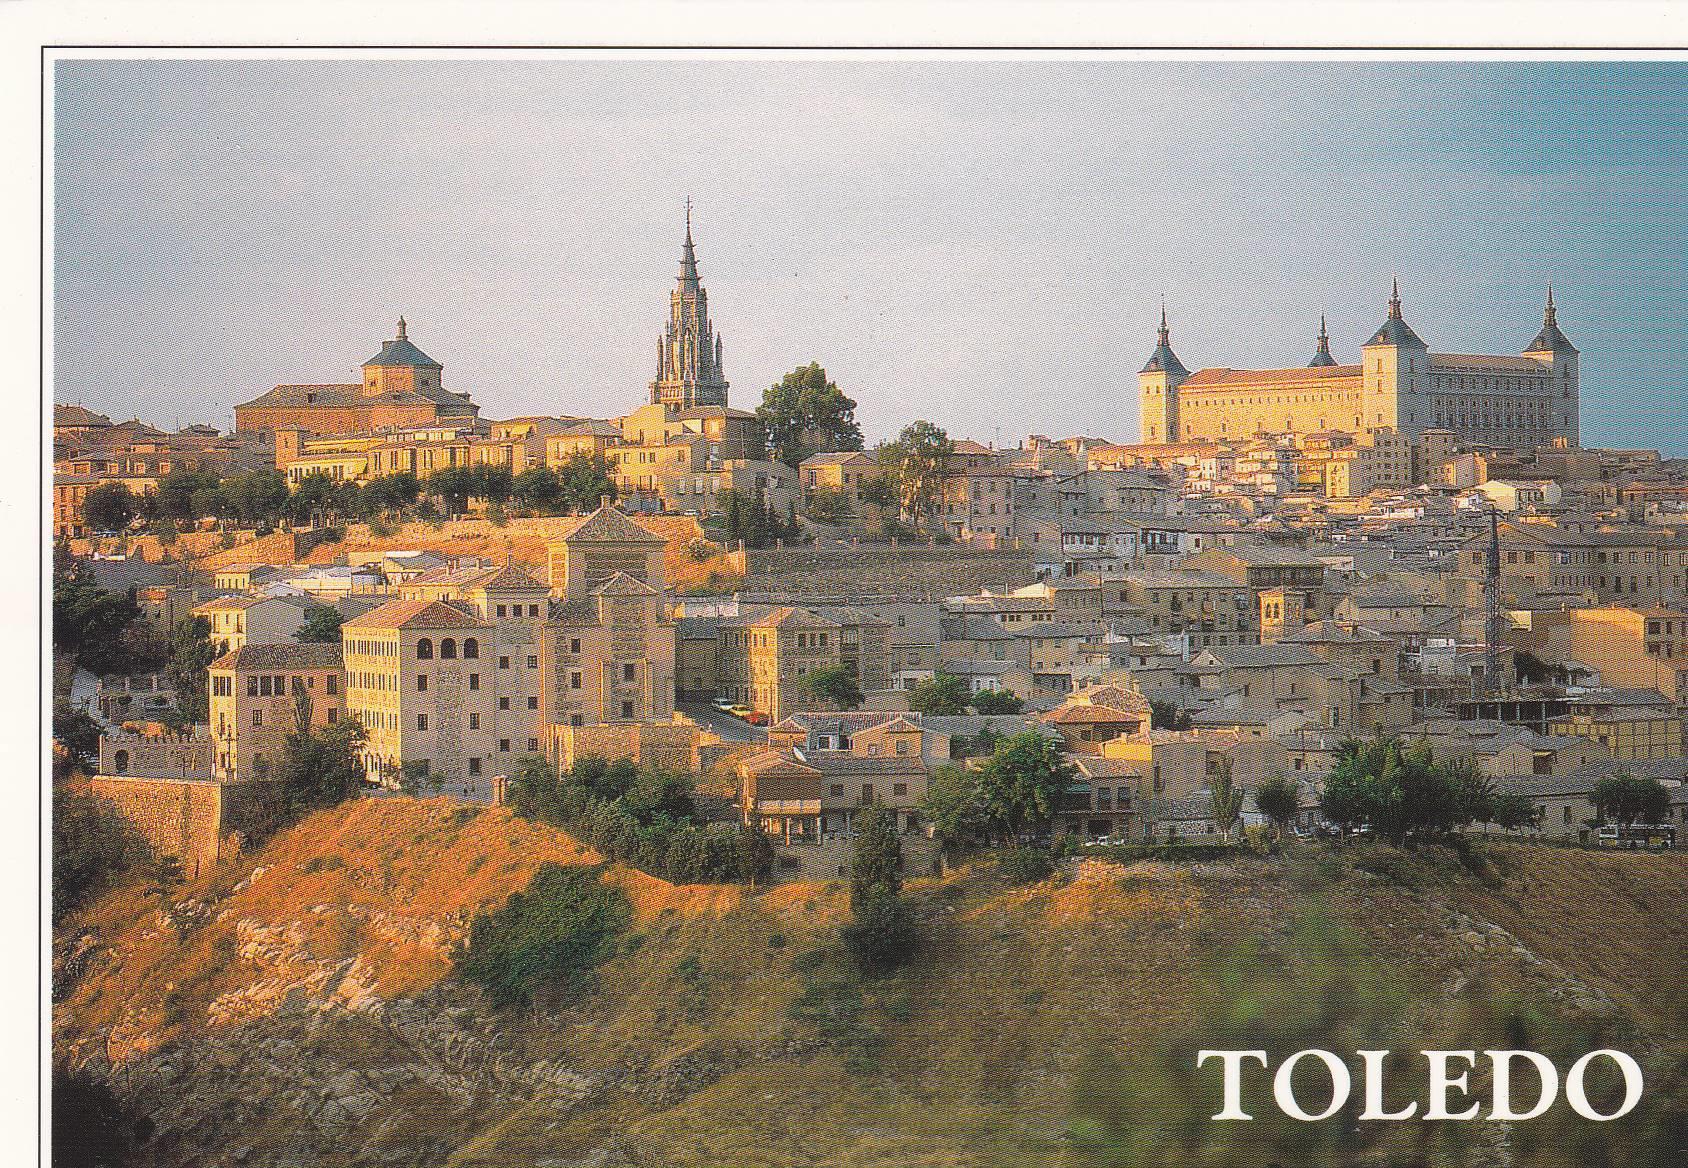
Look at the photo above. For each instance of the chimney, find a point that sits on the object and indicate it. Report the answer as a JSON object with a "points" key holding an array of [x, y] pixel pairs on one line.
{"points": [[604, 501]]}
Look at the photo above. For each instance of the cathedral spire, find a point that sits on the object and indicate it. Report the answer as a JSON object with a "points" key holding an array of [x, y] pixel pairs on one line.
{"points": [[1395, 298], [689, 353], [1395, 331], [688, 254], [1321, 355]]}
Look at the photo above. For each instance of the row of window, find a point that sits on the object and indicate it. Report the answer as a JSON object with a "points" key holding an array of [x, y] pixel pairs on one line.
{"points": [[448, 649]]}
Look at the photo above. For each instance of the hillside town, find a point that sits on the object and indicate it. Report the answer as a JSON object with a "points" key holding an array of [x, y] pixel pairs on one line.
{"points": [[1412, 546]]}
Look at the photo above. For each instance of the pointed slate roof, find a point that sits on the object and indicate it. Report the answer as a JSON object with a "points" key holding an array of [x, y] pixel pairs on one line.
{"points": [[399, 351], [1163, 359], [1321, 355], [1396, 331], [1550, 339]]}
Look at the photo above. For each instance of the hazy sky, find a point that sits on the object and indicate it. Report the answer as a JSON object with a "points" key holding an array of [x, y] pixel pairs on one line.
{"points": [[981, 244]]}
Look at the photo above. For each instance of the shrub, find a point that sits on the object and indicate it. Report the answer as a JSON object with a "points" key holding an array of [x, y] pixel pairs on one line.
{"points": [[882, 937], [546, 939], [1025, 865], [92, 846]]}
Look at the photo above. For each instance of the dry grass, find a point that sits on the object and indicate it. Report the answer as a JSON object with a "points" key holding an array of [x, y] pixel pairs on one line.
{"points": [[967, 1059]]}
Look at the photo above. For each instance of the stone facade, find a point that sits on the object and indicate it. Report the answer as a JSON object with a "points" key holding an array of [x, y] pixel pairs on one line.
{"points": [[1399, 385], [400, 388]]}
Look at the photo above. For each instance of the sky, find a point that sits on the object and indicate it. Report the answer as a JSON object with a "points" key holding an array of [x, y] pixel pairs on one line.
{"points": [[983, 244]]}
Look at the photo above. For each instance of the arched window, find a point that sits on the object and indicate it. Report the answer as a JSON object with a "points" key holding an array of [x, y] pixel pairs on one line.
{"points": [[120, 762], [424, 650], [448, 650], [471, 649]]}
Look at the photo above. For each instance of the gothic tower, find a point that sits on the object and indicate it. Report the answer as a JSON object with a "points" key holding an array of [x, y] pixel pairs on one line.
{"points": [[1157, 390], [688, 363]]}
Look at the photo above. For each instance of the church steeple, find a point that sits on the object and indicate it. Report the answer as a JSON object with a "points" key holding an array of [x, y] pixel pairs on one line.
{"points": [[1321, 356], [688, 372]]}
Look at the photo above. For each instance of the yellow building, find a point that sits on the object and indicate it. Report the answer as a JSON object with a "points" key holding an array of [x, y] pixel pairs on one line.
{"points": [[761, 661], [254, 700], [1643, 734], [1644, 648], [473, 667], [1398, 385]]}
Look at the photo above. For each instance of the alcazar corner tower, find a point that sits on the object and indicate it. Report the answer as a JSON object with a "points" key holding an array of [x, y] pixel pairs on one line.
{"points": [[1398, 384]]}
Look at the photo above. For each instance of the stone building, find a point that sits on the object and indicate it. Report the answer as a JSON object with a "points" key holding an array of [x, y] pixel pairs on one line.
{"points": [[401, 387], [474, 667], [255, 698], [1399, 384]]}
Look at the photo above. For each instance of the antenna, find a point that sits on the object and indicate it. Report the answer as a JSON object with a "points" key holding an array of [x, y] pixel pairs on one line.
{"points": [[1491, 605]]}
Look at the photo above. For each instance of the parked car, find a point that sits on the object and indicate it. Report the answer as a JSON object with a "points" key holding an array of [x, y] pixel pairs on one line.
{"points": [[725, 705], [756, 718]]}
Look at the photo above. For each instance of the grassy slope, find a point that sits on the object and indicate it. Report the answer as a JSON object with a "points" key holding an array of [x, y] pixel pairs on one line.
{"points": [[706, 1025]]}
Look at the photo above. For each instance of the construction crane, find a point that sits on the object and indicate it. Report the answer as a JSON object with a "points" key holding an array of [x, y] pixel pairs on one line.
{"points": [[1491, 606]]}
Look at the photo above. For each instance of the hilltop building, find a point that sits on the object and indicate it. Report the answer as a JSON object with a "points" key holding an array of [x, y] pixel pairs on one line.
{"points": [[401, 387], [1398, 385]]}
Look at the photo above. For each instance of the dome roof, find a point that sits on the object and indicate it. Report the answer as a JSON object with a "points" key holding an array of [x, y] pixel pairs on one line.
{"points": [[400, 352]]}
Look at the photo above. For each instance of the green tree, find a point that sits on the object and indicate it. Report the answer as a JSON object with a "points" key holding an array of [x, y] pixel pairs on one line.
{"points": [[109, 507], [876, 861], [321, 627], [918, 461], [835, 684], [942, 694], [1279, 800], [879, 491], [1512, 811], [538, 489], [829, 505], [545, 939], [954, 808], [1225, 799], [997, 701], [1165, 715], [77, 733], [1024, 781], [391, 492], [319, 768], [1628, 800], [753, 854], [585, 482], [492, 483], [101, 629], [256, 497], [191, 654], [176, 491], [92, 846], [1399, 792], [454, 485], [804, 413], [881, 936]]}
